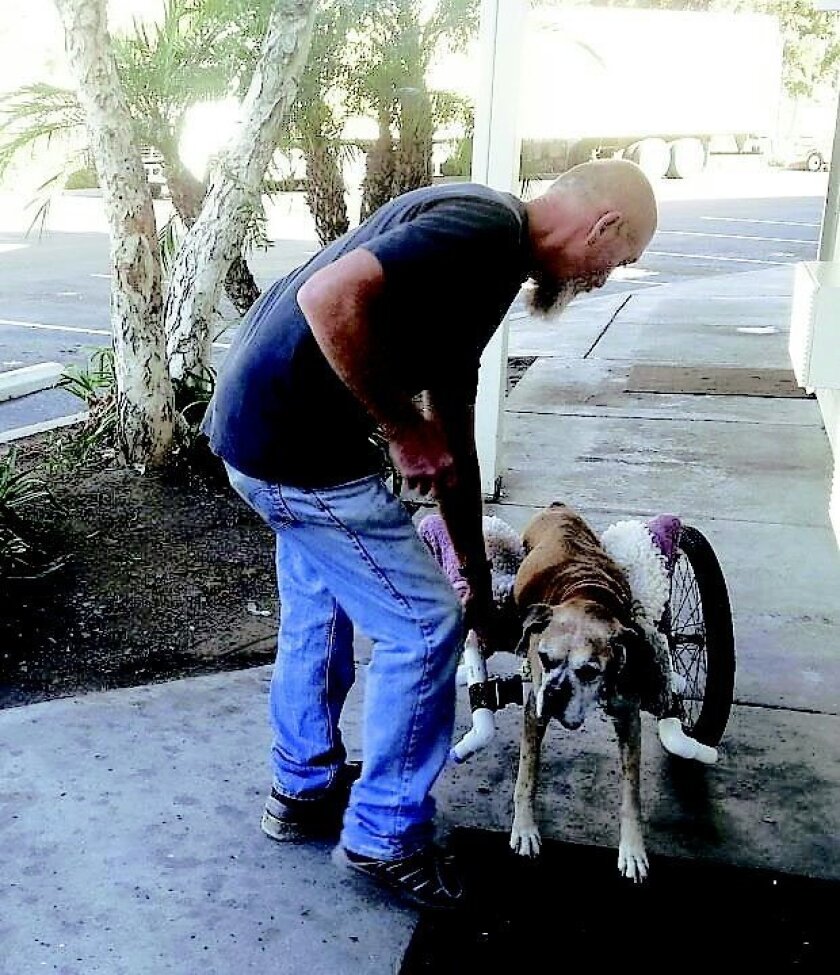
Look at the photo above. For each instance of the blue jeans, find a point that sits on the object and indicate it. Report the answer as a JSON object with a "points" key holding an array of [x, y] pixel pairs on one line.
{"points": [[351, 553]]}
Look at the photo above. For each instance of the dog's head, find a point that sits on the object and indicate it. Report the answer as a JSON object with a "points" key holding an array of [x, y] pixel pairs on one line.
{"points": [[584, 657]]}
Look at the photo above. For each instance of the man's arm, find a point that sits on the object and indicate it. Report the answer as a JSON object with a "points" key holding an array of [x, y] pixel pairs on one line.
{"points": [[338, 303], [461, 507]]}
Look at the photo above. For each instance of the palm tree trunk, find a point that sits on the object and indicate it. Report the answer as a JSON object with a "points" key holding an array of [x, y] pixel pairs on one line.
{"points": [[144, 391], [378, 184], [325, 190], [413, 155], [215, 239]]}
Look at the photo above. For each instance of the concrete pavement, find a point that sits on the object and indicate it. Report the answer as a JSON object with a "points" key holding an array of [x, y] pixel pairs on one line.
{"points": [[128, 821]]}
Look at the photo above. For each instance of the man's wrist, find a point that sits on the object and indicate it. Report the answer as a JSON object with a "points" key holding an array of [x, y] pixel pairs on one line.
{"points": [[475, 570]]}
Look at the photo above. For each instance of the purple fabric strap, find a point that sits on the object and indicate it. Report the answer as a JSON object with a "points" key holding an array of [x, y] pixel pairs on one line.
{"points": [[665, 530], [432, 530]]}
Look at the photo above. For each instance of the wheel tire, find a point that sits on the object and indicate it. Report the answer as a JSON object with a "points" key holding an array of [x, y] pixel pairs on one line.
{"points": [[815, 162], [688, 158], [700, 616], [651, 155]]}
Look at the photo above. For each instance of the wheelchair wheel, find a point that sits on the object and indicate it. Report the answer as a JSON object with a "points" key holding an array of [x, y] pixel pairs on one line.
{"points": [[701, 638]]}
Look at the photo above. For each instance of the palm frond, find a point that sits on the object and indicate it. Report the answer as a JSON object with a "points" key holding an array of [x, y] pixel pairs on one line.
{"points": [[36, 115]]}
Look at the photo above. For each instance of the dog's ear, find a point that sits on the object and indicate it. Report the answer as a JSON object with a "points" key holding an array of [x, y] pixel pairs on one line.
{"points": [[536, 619], [634, 672]]}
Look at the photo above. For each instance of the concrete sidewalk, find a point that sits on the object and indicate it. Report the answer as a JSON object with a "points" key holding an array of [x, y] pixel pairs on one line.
{"points": [[128, 819]]}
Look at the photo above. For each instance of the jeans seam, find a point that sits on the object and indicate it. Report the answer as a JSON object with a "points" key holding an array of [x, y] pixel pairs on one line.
{"points": [[330, 652], [404, 771]]}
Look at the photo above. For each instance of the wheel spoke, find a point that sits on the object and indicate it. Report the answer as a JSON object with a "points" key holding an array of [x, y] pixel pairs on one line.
{"points": [[688, 639]]}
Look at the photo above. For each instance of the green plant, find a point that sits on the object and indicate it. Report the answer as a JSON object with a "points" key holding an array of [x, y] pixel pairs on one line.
{"points": [[19, 490], [96, 385], [82, 179]]}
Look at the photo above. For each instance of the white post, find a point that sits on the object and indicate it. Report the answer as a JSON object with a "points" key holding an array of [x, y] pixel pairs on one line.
{"points": [[830, 233], [831, 213], [495, 162]]}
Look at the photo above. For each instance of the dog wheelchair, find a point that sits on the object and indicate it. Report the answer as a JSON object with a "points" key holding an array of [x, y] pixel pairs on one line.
{"points": [[681, 602]]}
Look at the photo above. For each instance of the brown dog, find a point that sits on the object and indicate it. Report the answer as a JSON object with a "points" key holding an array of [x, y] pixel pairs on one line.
{"points": [[582, 651]]}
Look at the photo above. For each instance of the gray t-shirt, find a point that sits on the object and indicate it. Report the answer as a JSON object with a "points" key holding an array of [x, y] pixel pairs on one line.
{"points": [[454, 258]]}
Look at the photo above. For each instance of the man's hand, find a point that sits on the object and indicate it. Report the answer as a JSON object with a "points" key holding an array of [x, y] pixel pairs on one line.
{"points": [[420, 452], [480, 610]]}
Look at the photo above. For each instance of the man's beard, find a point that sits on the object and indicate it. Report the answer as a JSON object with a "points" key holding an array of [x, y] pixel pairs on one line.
{"points": [[549, 297]]}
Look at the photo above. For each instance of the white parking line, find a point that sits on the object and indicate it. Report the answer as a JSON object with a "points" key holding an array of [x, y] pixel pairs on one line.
{"points": [[46, 327], [55, 328], [775, 240], [631, 274], [781, 223], [712, 257]]}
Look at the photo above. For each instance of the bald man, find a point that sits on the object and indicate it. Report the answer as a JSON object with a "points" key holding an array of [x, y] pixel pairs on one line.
{"points": [[339, 348]]}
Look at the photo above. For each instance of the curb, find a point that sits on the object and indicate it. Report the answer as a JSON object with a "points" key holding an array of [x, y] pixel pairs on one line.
{"points": [[29, 379], [20, 433]]}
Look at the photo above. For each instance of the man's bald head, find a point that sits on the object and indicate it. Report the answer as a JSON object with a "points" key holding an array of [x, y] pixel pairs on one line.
{"points": [[613, 184], [594, 218]]}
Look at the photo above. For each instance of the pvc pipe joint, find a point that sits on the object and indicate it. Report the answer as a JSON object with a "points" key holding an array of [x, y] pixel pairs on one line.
{"points": [[677, 742], [474, 669]]}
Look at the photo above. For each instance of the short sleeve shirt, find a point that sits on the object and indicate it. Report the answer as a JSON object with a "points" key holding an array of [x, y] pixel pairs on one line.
{"points": [[453, 257]]}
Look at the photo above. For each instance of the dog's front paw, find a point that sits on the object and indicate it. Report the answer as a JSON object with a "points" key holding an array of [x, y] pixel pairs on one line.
{"points": [[633, 861], [525, 839]]}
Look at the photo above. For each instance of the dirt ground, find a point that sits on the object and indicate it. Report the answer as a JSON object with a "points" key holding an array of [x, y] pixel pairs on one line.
{"points": [[164, 576]]}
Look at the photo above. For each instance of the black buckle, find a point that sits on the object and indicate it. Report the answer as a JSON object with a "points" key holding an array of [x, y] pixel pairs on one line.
{"points": [[496, 693]]}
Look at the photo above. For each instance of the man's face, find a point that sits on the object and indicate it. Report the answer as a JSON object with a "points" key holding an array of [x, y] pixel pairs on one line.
{"points": [[585, 268]]}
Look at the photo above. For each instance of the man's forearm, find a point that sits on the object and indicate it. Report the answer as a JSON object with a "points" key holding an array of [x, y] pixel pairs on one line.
{"points": [[461, 508]]}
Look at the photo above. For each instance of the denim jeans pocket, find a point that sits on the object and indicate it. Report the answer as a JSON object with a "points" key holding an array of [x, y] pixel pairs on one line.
{"points": [[273, 507], [264, 498]]}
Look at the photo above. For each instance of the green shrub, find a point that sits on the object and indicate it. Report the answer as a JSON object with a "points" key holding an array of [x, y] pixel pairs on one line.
{"points": [[19, 491], [82, 179]]}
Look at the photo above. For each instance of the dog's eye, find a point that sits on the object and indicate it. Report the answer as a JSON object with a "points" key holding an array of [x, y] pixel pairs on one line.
{"points": [[587, 673]]}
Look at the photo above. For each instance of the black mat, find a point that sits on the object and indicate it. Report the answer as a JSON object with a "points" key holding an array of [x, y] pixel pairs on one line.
{"points": [[570, 911], [714, 381]]}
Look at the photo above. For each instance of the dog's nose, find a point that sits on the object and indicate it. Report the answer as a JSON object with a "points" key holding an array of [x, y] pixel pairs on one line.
{"points": [[555, 702]]}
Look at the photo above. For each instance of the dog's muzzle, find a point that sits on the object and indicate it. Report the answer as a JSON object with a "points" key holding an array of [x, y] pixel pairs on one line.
{"points": [[555, 701]]}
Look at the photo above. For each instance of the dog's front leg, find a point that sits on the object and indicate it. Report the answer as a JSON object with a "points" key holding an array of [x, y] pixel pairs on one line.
{"points": [[524, 834], [632, 858]]}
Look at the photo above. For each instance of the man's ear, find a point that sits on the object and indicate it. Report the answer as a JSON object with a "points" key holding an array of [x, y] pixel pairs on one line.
{"points": [[608, 220], [536, 619]]}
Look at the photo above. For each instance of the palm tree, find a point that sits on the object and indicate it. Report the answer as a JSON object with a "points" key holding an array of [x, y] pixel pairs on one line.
{"points": [[397, 46], [316, 121], [200, 50]]}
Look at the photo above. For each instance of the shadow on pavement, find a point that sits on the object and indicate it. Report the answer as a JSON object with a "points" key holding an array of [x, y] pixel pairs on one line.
{"points": [[572, 908]]}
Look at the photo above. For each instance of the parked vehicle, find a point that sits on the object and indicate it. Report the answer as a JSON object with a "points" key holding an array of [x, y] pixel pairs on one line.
{"points": [[661, 87], [807, 152], [656, 86]]}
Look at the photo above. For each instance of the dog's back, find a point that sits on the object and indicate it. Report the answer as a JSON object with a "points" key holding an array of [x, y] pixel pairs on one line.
{"points": [[562, 551]]}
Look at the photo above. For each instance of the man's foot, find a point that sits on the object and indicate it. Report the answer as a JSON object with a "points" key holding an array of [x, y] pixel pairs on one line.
{"points": [[426, 879], [309, 819]]}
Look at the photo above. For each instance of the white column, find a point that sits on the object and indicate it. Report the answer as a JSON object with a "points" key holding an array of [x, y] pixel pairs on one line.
{"points": [[830, 234], [495, 162]]}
